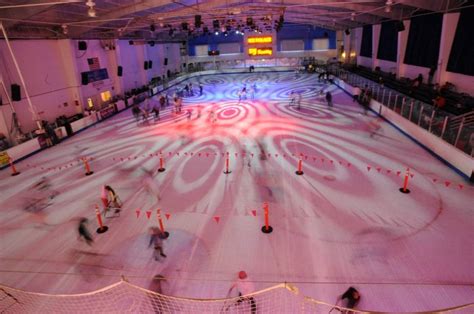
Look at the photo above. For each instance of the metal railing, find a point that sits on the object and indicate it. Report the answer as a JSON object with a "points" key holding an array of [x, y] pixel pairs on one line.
{"points": [[456, 130]]}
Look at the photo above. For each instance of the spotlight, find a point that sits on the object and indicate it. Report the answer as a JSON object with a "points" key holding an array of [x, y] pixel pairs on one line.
{"points": [[353, 16], [216, 33], [65, 30], [225, 34]]}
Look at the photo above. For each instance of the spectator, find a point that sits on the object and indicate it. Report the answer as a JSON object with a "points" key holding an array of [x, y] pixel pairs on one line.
{"points": [[244, 287], [329, 98], [356, 95], [352, 296], [439, 102], [3, 142], [431, 75], [418, 81]]}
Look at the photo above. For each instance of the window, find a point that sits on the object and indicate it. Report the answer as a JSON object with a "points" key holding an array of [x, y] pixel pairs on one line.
{"points": [[292, 45], [229, 48], [321, 44], [201, 50]]}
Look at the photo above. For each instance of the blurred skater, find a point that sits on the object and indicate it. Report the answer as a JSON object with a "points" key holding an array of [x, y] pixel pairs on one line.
{"points": [[292, 98], [113, 199], [156, 112], [374, 127], [199, 109], [329, 98], [136, 113], [151, 186], [188, 114], [157, 243], [84, 232]]}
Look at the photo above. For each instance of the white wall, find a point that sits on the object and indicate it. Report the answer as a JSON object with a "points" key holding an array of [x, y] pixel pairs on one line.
{"points": [[131, 64], [52, 71], [106, 60], [48, 78]]}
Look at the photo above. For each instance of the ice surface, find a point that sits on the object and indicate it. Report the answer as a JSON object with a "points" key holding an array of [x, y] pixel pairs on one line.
{"points": [[339, 224]]}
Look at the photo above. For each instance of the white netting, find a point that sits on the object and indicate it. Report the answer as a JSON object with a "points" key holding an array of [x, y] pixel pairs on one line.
{"points": [[123, 297]]}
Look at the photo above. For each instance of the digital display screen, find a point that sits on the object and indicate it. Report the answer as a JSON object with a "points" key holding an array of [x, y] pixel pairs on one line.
{"points": [[260, 40], [260, 51]]}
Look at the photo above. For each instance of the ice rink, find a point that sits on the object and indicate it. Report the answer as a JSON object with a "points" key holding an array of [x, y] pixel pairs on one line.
{"points": [[343, 222]]}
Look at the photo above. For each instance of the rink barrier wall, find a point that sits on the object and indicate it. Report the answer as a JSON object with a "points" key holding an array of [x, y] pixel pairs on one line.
{"points": [[123, 297], [458, 161]]}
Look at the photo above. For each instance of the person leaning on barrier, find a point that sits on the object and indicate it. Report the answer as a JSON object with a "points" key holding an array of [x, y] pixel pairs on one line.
{"points": [[352, 296], [244, 287]]}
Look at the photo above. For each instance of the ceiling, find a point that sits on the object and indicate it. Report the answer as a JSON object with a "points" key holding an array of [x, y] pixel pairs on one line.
{"points": [[163, 20]]}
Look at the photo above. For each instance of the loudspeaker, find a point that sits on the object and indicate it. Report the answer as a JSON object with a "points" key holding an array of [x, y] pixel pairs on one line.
{"points": [[347, 31], [165, 62], [249, 21], [84, 78], [130, 42], [119, 70], [82, 45], [150, 64], [197, 21], [400, 26], [184, 26], [215, 23], [145, 65], [16, 94]]}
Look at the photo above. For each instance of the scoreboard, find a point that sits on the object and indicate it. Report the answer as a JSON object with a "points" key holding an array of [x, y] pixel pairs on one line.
{"points": [[261, 45]]}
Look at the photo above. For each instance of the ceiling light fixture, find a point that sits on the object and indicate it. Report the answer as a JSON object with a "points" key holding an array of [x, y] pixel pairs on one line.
{"points": [[388, 6], [91, 11]]}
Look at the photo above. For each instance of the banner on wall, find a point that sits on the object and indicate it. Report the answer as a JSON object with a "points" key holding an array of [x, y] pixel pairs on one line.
{"points": [[4, 158]]}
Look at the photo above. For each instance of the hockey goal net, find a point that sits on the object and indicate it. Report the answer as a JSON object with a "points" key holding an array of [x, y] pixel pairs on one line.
{"points": [[124, 297]]}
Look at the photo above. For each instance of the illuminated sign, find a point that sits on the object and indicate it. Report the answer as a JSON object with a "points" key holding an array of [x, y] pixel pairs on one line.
{"points": [[267, 51], [260, 40], [106, 96]]}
